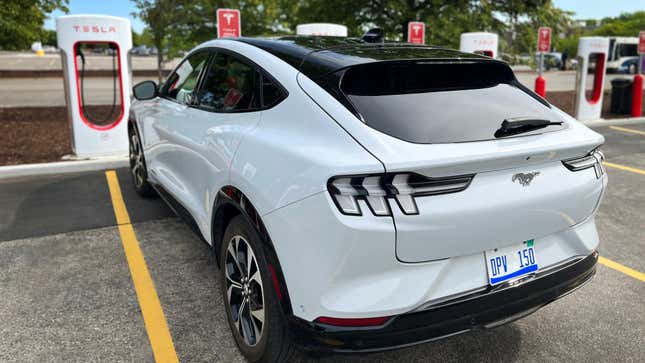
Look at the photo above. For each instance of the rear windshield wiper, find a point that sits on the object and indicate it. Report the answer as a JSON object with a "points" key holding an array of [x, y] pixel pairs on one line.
{"points": [[519, 126]]}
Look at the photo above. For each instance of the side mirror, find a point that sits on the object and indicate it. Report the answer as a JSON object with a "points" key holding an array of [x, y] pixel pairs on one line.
{"points": [[145, 90]]}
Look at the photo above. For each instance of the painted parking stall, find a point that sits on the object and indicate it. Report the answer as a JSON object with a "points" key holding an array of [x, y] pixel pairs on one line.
{"points": [[184, 275]]}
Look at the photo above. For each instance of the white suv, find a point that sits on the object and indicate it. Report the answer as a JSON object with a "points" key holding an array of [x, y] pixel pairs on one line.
{"points": [[365, 196]]}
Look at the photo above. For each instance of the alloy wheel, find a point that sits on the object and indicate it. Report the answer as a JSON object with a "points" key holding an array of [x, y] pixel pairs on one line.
{"points": [[136, 160], [244, 290]]}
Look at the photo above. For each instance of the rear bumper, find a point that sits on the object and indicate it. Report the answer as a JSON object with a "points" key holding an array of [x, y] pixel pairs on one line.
{"points": [[481, 310]]}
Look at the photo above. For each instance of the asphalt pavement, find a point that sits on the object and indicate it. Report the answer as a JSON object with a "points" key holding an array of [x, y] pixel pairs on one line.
{"points": [[68, 293]]}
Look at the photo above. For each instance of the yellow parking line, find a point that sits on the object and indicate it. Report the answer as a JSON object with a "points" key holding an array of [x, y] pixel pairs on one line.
{"points": [[153, 316], [624, 269], [623, 167], [625, 129]]}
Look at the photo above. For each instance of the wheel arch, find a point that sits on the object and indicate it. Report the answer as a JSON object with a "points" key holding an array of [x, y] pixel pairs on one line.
{"points": [[231, 202]]}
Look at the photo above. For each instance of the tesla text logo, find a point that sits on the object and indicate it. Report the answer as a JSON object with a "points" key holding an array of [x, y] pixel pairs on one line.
{"points": [[544, 39], [228, 23], [94, 29], [484, 42], [525, 179], [416, 32]]}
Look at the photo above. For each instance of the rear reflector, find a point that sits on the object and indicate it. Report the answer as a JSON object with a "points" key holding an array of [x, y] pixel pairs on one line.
{"points": [[276, 283], [355, 322]]}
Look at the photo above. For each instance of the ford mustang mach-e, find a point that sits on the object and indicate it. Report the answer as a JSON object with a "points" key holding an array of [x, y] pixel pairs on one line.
{"points": [[362, 196]]}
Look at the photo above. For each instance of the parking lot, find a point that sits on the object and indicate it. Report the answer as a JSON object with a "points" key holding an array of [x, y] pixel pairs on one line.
{"points": [[75, 286]]}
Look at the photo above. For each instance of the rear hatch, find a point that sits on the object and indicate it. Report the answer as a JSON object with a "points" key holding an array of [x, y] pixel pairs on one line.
{"points": [[485, 162]]}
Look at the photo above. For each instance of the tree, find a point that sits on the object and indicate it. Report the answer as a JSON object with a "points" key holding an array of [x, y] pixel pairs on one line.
{"points": [[162, 18], [544, 15], [49, 37], [445, 19], [624, 25], [21, 21], [178, 25]]}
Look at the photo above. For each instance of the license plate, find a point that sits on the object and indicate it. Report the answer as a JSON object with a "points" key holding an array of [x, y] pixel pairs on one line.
{"points": [[508, 263]]}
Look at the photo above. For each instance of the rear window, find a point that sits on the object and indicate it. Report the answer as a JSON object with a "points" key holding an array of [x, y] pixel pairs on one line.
{"points": [[434, 102]]}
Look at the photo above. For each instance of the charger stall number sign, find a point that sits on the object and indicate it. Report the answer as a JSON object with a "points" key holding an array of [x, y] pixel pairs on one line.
{"points": [[229, 24], [544, 39], [416, 32]]}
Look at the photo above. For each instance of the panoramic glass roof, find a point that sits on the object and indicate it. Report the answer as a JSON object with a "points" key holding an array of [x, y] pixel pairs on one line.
{"points": [[315, 56]]}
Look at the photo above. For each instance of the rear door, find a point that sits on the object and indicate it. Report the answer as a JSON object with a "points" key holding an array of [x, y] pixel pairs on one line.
{"points": [[440, 122]]}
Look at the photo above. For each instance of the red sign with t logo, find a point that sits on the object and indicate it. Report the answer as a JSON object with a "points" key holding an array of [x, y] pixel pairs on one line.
{"points": [[641, 42], [544, 39], [416, 32], [229, 24]]}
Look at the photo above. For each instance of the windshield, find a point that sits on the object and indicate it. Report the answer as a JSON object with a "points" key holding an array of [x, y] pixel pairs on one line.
{"points": [[626, 50]]}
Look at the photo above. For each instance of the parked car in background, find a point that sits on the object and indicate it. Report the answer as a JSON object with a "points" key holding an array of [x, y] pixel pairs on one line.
{"points": [[620, 50], [351, 200], [142, 50], [552, 60]]}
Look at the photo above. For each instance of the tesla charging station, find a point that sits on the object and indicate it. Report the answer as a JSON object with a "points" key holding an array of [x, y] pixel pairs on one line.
{"points": [[97, 115], [324, 29], [591, 50], [479, 42]]}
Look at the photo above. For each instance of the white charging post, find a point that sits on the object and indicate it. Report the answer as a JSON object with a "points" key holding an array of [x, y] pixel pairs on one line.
{"points": [[479, 42], [98, 117], [324, 29], [591, 51]]}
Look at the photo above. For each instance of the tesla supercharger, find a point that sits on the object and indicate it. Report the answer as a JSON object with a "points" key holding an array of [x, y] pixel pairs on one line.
{"points": [[97, 107], [592, 51], [325, 29], [479, 42]]}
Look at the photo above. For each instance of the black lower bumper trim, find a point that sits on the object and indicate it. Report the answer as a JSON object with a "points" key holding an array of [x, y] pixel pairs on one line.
{"points": [[483, 310]]}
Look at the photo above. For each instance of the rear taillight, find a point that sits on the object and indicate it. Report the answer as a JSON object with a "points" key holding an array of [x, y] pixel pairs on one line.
{"points": [[376, 189], [593, 160]]}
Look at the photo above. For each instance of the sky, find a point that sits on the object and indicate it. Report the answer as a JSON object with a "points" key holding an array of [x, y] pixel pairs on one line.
{"points": [[584, 9], [121, 8], [598, 9]]}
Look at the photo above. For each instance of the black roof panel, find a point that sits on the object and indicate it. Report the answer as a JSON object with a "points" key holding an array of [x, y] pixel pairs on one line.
{"points": [[316, 56]]}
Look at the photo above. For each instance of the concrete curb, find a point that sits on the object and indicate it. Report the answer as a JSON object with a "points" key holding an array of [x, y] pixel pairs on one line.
{"points": [[615, 121], [63, 167]]}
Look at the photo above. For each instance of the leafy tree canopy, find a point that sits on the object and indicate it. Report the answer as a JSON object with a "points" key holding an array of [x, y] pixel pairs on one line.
{"points": [[21, 21], [628, 25], [181, 24]]}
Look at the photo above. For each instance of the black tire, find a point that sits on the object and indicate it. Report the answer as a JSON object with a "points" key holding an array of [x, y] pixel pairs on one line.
{"points": [[274, 343], [632, 69], [138, 168]]}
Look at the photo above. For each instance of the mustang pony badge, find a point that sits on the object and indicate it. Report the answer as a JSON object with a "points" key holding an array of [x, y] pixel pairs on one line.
{"points": [[525, 179]]}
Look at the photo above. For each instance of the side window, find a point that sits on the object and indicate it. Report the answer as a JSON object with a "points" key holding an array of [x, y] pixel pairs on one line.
{"points": [[180, 85], [271, 93], [230, 85]]}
